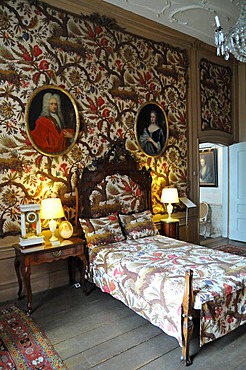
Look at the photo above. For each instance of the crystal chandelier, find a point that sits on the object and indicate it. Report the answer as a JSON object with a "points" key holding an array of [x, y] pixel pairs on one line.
{"points": [[234, 41]]}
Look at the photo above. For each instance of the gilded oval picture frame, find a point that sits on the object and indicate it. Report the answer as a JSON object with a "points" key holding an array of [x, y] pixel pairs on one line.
{"points": [[66, 229], [52, 120], [151, 129]]}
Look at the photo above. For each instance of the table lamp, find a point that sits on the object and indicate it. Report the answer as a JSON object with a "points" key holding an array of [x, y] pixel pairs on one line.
{"points": [[51, 209], [169, 195]]}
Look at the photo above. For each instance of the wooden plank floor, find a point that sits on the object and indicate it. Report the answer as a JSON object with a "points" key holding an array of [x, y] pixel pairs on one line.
{"points": [[213, 242], [99, 332]]}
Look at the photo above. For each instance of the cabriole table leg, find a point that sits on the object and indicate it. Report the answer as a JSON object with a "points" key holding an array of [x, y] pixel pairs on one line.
{"points": [[27, 274], [17, 270]]}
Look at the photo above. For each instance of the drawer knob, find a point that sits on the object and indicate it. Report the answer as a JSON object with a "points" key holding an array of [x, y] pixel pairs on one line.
{"points": [[57, 253]]}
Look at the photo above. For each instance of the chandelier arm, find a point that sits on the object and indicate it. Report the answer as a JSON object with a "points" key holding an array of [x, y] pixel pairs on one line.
{"points": [[234, 41]]}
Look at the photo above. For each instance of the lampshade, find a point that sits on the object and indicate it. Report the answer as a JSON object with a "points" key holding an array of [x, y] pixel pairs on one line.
{"points": [[169, 195], [51, 208]]}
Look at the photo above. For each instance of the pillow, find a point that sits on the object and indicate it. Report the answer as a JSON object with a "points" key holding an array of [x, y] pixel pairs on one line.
{"points": [[138, 225], [101, 231]]}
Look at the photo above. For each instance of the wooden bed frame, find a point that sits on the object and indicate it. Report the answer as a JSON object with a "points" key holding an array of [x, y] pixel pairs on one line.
{"points": [[119, 161]]}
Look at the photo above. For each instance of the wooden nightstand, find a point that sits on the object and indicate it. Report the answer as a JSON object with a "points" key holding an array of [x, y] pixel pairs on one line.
{"points": [[170, 228], [24, 258]]}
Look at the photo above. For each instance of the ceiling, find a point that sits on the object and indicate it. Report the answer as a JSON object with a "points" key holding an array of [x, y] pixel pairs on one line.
{"points": [[193, 17]]}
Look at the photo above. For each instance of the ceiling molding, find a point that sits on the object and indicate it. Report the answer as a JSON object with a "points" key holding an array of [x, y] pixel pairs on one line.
{"points": [[164, 20], [129, 21], [192, 17]]}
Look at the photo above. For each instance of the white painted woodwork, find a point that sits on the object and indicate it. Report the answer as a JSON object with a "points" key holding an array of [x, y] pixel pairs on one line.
{"points": [[237, 192]]}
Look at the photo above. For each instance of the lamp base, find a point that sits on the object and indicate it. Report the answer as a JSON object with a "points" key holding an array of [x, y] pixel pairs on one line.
{"points": [[53, 239], [169, 211], [55, 243]]}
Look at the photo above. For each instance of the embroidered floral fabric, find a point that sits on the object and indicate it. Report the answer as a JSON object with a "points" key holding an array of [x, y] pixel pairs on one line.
{"points": [[101, 231], [138, 225], [148, 275], [120, 194]]}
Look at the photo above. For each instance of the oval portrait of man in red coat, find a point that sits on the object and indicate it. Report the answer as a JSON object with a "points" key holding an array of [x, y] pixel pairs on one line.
{"points": [[52, 120]]}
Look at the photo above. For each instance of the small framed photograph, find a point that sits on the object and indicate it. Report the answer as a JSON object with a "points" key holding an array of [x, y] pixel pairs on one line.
{"points": [[208, 171], [151, 129], [65, 229], [52, 120]]}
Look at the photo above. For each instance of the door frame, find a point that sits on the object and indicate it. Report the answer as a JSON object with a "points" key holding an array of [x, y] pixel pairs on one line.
{"points": [[223, 182]]}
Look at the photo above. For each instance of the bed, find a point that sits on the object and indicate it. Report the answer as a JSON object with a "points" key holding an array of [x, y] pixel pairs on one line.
{"points": [[166, 281]]}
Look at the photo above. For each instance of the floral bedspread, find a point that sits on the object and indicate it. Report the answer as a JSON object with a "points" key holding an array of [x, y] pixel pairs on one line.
{"points": [[148, 275]]}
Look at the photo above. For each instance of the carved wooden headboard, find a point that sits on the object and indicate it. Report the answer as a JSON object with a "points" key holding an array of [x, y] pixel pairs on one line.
{"points": [[113, 183]]}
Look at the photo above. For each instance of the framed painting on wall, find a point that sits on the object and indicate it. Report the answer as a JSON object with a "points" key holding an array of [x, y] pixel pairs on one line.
{"points": [[151, 129], [208, 170], [52, 120]]}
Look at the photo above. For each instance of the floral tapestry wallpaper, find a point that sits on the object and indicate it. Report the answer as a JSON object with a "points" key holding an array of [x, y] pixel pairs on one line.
{"points": [[109, 73], [216, 85]]}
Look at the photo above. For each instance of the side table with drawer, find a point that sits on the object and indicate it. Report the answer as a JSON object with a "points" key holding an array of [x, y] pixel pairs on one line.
{"points": [[170, 228], [25, 258]]}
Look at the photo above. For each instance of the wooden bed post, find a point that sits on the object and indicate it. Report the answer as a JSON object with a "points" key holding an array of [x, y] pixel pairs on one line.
{"points": [[187, 320]]}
